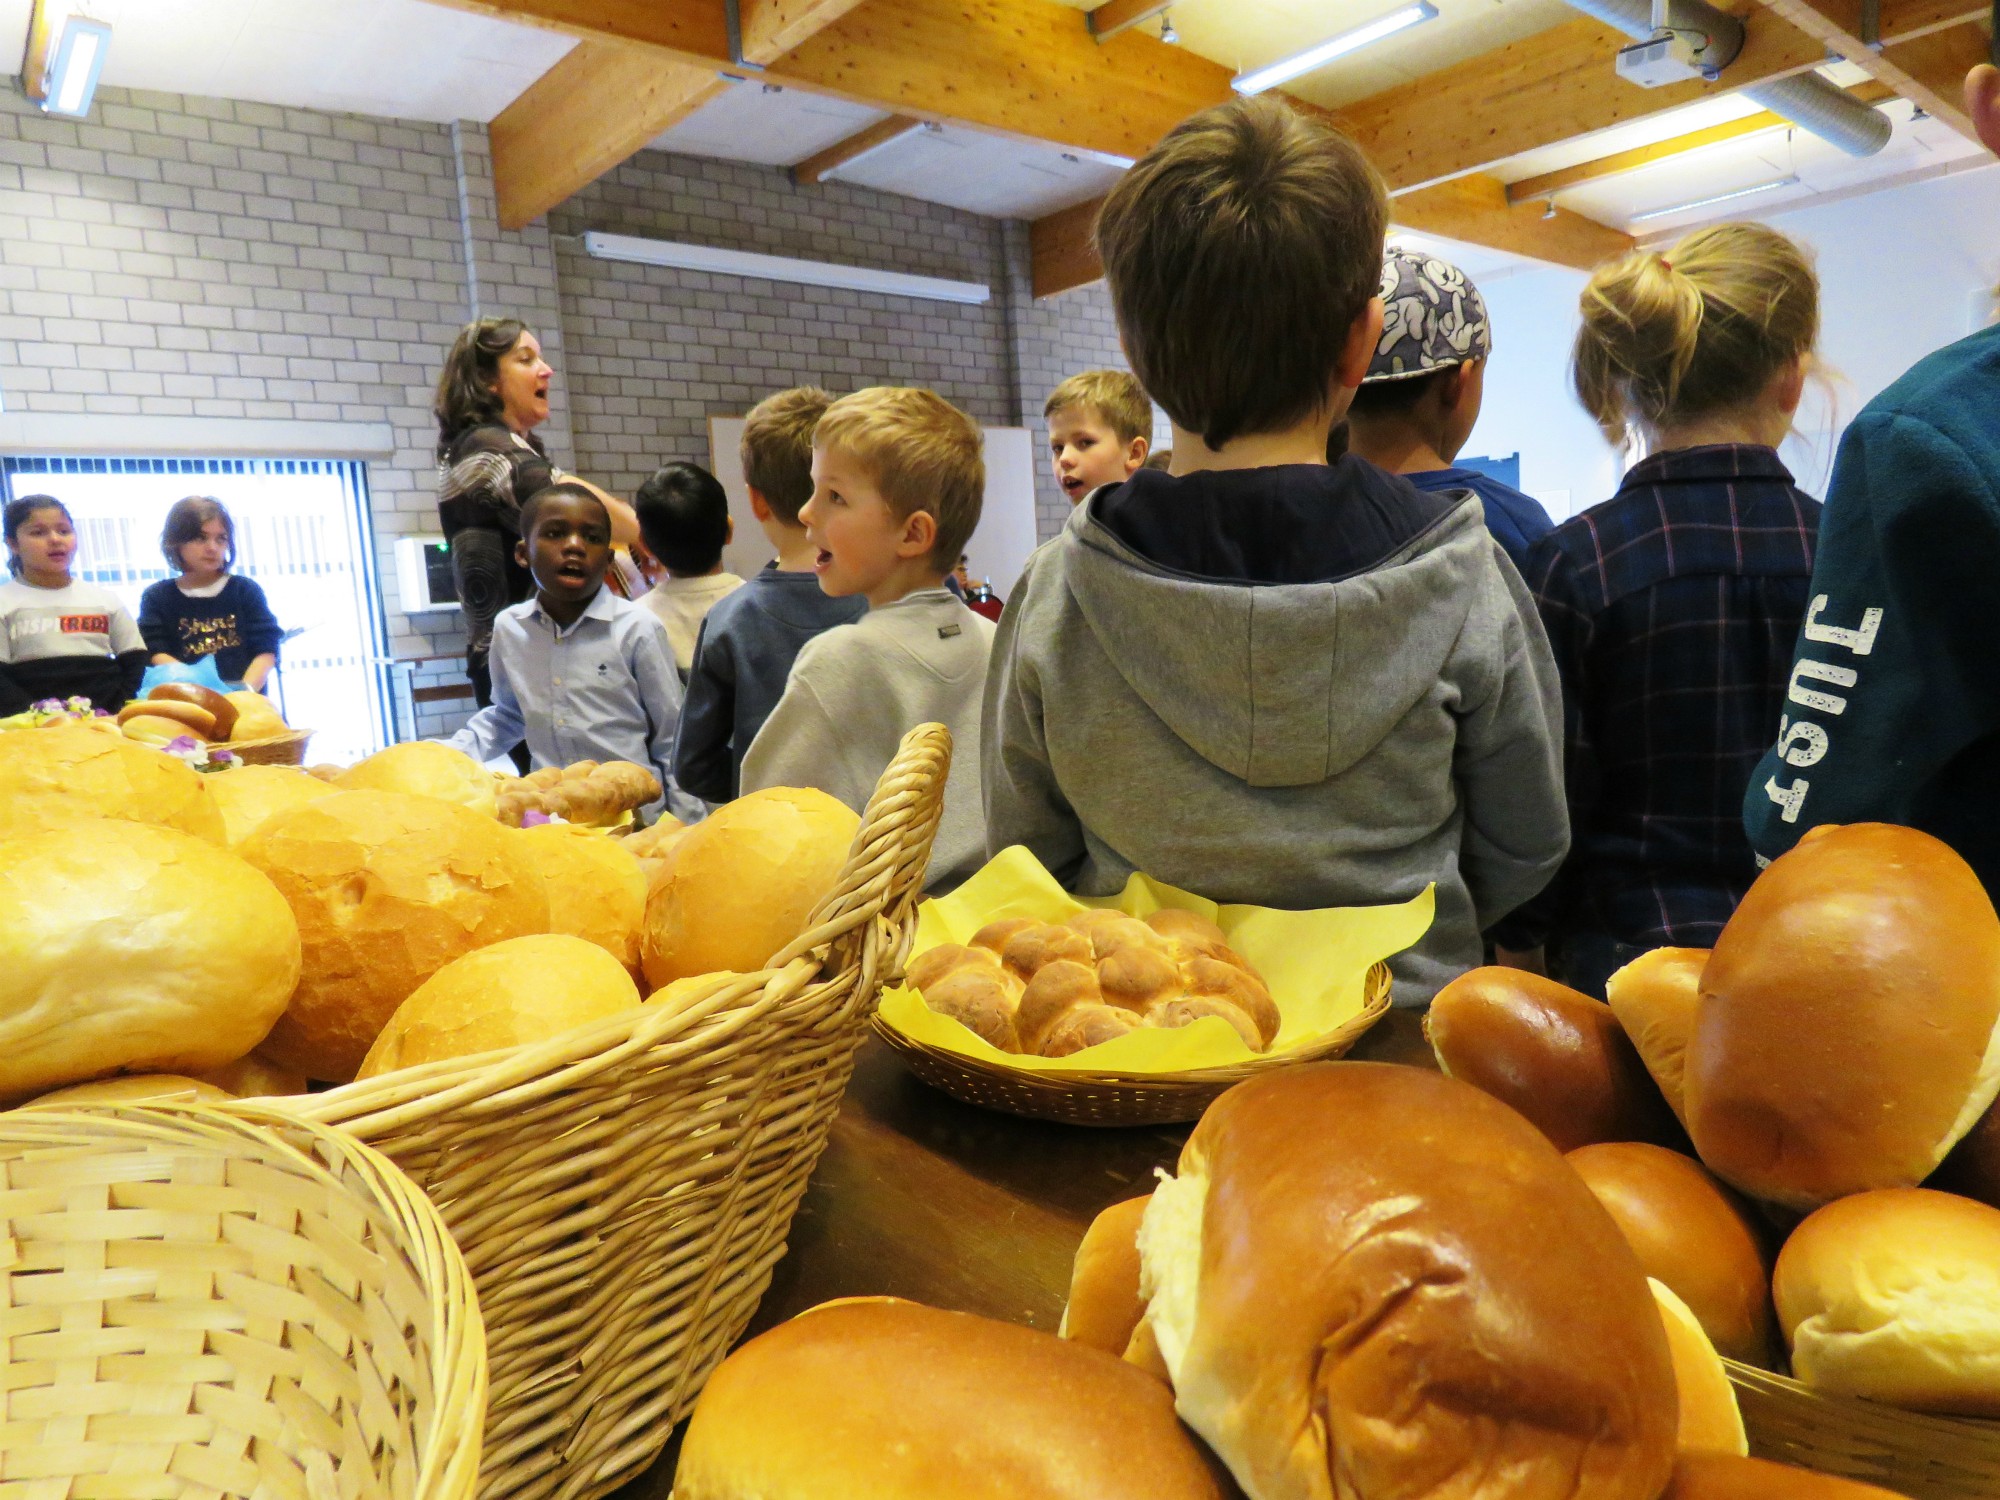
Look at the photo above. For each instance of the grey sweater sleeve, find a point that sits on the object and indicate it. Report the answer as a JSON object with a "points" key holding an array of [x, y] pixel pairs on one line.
{"points": [[1024, 805], [1508, 763]]}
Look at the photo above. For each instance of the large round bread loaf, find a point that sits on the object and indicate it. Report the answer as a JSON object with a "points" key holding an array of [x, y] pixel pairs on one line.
{"points": [[1849, 1027], [1374, 1280], [55, 776], [425, 768]]}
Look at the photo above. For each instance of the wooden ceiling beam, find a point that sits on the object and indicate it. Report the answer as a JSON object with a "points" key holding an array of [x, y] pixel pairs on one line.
{"points": [[823, 164], [1618, 163], [1925, 47], [1475, 209], [1062, 247], [1122, 15]]}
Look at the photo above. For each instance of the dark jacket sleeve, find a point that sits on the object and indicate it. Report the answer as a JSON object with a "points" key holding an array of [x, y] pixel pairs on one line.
{"points": [[156, 618], [703, 765], [1893, 679], [256, 626], [1571, 628]]}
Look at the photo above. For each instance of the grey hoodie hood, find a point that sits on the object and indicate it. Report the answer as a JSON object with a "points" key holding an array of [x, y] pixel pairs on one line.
{"points": [[1281, 685]]}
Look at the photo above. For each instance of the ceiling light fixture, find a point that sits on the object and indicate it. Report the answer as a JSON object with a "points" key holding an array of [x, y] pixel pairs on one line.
{"points": [[722, 262], [1715, 198], [1167, 32], [1272, 74], [1549, 210], [79, 59]]}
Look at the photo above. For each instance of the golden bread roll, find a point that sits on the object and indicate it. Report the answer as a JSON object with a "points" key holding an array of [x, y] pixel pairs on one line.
{"points": [[595, 889], [981, 1000], [1034, 948], [248, 795], [1895, 1295], [138, 1088], [1849, 1029], [1137, 977], [741, 884], [1087, 1025], [255, 1076], [1654, 998], [221, 712], [1217, 979], [523, 990], [1973, 1168], [388, 888], [1187, 1009], [1710, 1420], [928, 967], [994, 935], [129, 949], [256, 719], [892, 1400], [1557, 1056], [1104, 1307], [156, 732], [1057, 988], [146, 712], [1374, 1280], [425, 768], [1190, 929], [66, 772], [1722, 1476], [1691, 1233], [655, 838]]}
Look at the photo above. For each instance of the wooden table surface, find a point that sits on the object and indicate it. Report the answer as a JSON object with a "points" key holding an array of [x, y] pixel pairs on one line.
{"points": [[920, 1196]]}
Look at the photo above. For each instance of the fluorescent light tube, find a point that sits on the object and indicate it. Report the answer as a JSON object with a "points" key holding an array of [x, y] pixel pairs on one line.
{"points": [[1713, 199], [1272, 74], [722, 262], [79, 59]]}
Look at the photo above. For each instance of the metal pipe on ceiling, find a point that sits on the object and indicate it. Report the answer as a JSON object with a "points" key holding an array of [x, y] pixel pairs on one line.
{"points": [[1806, 99]]}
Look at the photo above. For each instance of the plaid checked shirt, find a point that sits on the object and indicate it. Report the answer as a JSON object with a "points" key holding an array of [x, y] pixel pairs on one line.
{"points": [[1672, 610]]}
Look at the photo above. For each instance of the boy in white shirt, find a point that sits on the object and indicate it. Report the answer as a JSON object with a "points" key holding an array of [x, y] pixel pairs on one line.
{"points": [[684, 520], [898, 478]]}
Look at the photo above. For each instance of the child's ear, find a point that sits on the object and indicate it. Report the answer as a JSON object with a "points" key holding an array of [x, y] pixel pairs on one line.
{"points": [[919, 537], [1135, 454], [1360, 349], [521, 554], [728, 530], [759, 506]]}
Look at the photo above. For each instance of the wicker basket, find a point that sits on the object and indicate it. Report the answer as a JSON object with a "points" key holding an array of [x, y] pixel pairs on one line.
{"points": [[226, 1304], [273, 750], [1926, 1458], [1080, 1098], [622, 1192]]}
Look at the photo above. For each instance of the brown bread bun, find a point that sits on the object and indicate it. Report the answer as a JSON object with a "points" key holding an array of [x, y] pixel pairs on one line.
{"points": [[156, 732], [1720, 1476], [1654, 999], [1849, 1029], [198, 722], [1378, 1273], [1104, 1305], [1555, 1055], [388, 888], [892, 1400], [1691, 1233], [1710, 1421], [218, 708], [1895, 1296]]}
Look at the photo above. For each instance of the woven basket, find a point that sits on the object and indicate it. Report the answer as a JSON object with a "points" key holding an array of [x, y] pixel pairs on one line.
{"points": [[622, 1192], [1926, 1458], [1081, 1098], [272, 750], [209, 1303]]}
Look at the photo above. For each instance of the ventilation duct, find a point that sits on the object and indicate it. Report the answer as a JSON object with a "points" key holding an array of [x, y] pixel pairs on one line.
{"points": [[1806, 99]]}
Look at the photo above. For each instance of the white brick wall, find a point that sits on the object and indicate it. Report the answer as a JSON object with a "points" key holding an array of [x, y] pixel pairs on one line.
{"points": [[175, 256]]}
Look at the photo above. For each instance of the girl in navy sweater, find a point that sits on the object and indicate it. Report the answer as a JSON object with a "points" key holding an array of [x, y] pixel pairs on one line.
{"points": [[208, 610]]}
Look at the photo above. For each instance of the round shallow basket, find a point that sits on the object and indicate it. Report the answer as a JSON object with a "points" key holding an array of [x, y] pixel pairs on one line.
{"points": [[1926, 1458], [273, 750], [623, 1191], [224, 1303], [1082, 1098]]}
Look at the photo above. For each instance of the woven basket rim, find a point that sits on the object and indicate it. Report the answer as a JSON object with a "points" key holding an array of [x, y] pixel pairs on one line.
{"points": [[289, 737]]}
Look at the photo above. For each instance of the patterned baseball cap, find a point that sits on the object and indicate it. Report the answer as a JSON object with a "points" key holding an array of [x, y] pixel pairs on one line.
{"points": [[1432, 317]]}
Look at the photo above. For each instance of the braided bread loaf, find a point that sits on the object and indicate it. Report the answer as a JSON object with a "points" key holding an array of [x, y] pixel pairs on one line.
{"points": [[1050, 989]]}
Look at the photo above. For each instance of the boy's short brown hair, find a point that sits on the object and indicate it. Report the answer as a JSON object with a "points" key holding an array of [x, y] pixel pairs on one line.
{"points": [[777, 448], [923, 454], [1240, 250], [1113, 396]]}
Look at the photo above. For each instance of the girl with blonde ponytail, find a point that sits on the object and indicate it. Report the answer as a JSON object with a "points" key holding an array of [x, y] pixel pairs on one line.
{"points": [[1671, 607]]}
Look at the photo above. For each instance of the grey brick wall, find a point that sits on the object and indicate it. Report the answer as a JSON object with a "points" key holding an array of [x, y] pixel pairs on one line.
{"points": [[176, 256]]}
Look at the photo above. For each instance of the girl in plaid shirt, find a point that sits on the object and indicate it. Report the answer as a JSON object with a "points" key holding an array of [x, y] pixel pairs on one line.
{"points": [[1672, 607]]}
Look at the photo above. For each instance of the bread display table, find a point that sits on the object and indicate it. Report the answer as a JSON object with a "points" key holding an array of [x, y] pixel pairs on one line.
{"points": [[920, 1196]]}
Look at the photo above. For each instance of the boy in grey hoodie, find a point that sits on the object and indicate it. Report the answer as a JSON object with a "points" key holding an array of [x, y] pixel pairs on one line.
{"points": [[1260, 676]]}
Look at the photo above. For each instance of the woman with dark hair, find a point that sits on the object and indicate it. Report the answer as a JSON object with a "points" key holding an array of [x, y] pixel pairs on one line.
{"points": [[491, 395]]}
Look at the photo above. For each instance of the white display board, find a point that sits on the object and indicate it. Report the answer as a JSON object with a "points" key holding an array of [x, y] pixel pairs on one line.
{"points": [[999, 548]]}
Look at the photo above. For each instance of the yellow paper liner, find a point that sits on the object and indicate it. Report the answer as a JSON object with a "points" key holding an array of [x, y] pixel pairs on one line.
{"points": [[1314, 963]]}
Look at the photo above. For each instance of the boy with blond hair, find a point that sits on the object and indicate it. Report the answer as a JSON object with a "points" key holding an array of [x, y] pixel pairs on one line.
{"points": [[750, 637], [1268, 678], [1100, 425], [898, 477]]}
